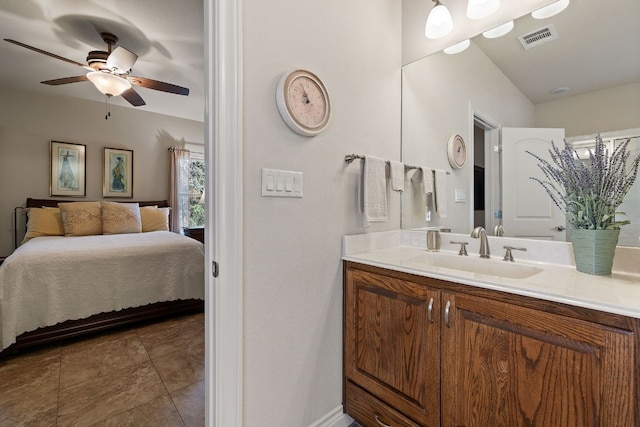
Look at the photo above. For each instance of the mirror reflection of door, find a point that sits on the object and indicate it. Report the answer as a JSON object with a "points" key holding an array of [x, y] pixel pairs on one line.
{"points": [[479, 206], [528, 211]]}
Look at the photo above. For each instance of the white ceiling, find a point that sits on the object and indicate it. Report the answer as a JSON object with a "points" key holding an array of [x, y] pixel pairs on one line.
{"points": [[167, 36], [598, 47]]}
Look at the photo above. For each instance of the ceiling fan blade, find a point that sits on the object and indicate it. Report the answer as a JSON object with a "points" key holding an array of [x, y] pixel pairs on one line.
{"points": [[65, 80], [157, 85], [121, 60], [133, 97], [44, 52]]}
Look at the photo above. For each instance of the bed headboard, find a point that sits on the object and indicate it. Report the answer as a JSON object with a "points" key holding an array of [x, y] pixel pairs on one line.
{"points": [[53, 203], [49, 203]]}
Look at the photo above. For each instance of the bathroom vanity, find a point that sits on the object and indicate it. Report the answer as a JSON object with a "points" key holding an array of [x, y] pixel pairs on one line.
{"points": [[430, 341]]}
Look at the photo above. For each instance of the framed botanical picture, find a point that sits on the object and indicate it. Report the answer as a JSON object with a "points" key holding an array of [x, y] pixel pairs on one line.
{"points": [[68, 176], [117, 178]]}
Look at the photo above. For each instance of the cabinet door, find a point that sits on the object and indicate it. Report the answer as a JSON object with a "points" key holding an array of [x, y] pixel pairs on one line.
{"points": [[392, 348], [505, 365]]}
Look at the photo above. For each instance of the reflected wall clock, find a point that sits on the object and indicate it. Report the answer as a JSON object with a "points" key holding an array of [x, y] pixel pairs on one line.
{"points": [[456, 151]]}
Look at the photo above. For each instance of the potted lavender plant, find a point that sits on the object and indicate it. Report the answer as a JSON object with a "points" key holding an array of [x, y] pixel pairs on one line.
{"points": [[589, 192]]}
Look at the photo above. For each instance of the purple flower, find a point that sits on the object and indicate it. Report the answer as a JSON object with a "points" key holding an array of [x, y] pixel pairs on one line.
{"points": [[589, 191]]}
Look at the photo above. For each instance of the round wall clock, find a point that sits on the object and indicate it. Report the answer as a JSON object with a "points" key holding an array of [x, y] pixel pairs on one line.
{"points": [[456, 151], [303, 102]]}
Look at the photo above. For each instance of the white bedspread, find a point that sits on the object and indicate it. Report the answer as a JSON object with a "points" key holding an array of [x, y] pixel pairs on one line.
{"points": [[52, 279]]}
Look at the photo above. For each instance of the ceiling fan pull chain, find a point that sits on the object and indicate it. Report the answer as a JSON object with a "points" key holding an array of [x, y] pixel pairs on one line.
{"points": [[106, 104]]}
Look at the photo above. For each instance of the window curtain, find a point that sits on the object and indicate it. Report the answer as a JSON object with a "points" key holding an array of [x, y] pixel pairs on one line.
{"points": [[179, 196]]}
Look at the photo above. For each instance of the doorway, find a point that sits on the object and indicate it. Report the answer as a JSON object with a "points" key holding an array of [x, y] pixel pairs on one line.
{"points": [[487, 174]]}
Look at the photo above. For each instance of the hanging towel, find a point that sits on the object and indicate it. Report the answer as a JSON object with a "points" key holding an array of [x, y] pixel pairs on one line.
{"points": [[441, 193], [396, 175], [373, 190], [427, 180]]}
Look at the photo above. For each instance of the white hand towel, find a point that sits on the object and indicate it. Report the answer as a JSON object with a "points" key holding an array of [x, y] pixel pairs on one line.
{"points": [[441, 193], [396, 175], [427, 180], [373, 190]]}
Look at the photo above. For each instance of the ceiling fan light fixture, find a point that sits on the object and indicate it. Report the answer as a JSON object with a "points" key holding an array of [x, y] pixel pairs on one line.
{"points": [[439, 22], [478, 9], [498, 31], [550, 10], [108, 84], [457, 48]]}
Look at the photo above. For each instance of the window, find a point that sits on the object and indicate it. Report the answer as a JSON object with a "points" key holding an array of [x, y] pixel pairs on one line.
{"points": [[188, 176], [196, 191]]}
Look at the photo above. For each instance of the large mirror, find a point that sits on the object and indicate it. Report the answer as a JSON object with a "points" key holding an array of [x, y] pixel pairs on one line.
{"points": [[498, 83]]}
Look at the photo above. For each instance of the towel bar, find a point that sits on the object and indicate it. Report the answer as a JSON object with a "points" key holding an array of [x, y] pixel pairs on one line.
{"points": [[351, 157]]}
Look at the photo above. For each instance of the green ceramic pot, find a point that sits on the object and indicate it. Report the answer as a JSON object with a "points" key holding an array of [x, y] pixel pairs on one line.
{"points": [[594, 249]]}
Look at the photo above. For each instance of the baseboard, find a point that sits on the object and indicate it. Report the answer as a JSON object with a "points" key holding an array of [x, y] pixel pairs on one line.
{"points": [[334, 418]]}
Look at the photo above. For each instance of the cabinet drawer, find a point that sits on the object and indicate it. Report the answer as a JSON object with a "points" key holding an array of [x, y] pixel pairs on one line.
{"points": [[371, 412]]}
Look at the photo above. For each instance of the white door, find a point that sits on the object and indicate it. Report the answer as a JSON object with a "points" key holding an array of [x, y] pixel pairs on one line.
{"points": [[527, 210]]}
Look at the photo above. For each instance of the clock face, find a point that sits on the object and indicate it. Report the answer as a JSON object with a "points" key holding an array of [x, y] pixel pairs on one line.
{"points": [[456, 151], [303, 102]]}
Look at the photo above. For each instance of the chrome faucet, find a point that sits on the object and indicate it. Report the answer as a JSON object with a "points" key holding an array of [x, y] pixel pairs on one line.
{"points": [[481, 233]]}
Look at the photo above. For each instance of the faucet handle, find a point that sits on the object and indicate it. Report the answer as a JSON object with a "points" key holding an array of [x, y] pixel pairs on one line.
{"points": [[463, 247], [508, 256]]}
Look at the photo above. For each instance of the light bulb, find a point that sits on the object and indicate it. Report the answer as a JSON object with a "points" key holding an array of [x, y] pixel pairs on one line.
{"points": [[499, 31], [108, 84], [550, 10], [439, 22], [478, 9], [457, 48]]}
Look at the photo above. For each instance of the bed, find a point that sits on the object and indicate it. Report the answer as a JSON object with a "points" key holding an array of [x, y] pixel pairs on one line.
{"points": [[56, 287]]}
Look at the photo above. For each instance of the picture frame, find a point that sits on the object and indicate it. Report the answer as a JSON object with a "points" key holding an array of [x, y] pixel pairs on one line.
{"points": [[117, 177], [67, 167]]}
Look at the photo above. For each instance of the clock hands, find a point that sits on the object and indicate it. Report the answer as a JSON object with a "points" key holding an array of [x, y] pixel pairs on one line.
{"points": [[305, 96]]}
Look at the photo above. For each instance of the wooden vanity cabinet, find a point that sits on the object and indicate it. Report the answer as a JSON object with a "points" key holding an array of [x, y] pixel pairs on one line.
{"points": [[475, 357], [392, 348]]}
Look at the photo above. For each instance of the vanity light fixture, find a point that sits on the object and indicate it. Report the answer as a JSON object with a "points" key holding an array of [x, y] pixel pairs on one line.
{"points": [[478, 9], [439, 22], [107, 83], [550, 10], [499, 31], [457, 48]]}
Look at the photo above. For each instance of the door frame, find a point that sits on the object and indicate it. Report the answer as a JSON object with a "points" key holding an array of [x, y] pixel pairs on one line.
{"points": [[223, 224], [493, 167]]}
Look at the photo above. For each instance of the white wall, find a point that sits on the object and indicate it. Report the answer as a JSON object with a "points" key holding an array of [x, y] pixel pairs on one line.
{"points": [[601, 111], [440, 94], [293, 271], [28, 122]]}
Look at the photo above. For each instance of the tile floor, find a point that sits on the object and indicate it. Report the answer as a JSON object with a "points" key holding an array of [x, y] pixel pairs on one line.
{"points": [[152, 375]]}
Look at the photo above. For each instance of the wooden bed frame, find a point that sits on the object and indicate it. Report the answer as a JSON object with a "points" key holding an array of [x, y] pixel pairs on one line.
{"points": [[104, 321]]}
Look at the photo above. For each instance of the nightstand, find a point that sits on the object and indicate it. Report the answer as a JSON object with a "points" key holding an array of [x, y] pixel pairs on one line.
{"points": [[195, 233]]}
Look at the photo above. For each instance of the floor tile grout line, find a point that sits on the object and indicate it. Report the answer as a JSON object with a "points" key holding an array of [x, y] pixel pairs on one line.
{"points": [[59, 381], [161, 379]]}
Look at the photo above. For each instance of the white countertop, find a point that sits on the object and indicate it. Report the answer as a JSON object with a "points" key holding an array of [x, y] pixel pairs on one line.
{"points": [[617, 293]]}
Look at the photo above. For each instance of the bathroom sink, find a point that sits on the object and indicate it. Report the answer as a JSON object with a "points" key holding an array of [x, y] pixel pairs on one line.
{"points": [[475, 264]]}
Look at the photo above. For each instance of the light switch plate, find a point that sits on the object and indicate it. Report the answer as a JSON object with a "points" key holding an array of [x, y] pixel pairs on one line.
{"points": [[460, 196], [279, 183]]}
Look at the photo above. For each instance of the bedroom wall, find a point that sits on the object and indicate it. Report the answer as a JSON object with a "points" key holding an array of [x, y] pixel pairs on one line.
{"points": [[29, 121], [292, 247]]}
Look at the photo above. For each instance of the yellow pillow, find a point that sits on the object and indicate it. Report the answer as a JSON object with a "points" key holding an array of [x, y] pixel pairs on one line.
{"points": [[154, 218], [120, 218], [81, 218], [43, 222]]}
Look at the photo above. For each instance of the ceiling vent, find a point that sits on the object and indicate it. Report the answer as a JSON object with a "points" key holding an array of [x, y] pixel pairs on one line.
{"points": [[537, 37]]}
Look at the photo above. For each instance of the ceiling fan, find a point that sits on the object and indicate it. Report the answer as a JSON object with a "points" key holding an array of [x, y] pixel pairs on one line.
{"points": [[109, 72]]}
